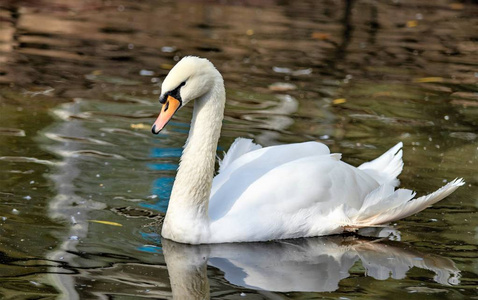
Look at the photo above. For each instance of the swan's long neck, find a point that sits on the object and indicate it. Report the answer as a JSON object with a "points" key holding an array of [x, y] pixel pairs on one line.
{"points": [[187, 217]]}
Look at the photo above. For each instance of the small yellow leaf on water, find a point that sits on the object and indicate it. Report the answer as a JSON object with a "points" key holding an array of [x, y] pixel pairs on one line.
{"points": [[139, 126], [412, 23], [320, 35], [429, 79], [166, 66], [339, 101], [107, 223], [250, 32], [97, 72]]}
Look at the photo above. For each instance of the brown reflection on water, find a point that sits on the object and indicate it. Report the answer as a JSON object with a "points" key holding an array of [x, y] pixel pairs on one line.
{"points": [[332, 36], [78, 90]]}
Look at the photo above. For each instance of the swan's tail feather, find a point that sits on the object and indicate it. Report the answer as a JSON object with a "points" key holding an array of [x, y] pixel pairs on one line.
{"points": [[387, 167], [378, 209], [238, 148]]}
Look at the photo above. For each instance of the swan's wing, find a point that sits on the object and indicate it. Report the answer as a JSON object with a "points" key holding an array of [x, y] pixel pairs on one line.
{"points": [[387, 167], [306, 182], [240, 147], [294, 199], [255, 163], [399, 204]]}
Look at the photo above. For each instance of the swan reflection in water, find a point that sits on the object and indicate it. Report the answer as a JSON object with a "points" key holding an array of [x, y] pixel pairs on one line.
{"points": [[307, 264]]}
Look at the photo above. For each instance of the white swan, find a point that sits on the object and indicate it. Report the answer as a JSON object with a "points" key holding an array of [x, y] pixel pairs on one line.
{"points": [[278, 192]]}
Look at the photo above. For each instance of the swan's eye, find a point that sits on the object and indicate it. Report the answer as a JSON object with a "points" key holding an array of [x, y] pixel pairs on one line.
{"points": [[182, 84]]}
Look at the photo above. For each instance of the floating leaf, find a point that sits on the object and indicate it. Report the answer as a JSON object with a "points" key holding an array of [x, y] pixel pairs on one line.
{"points": [[339, 101], [412, 23], [250, 32], [429, 79], [282, 87], [107, 223], [320, 35], [139, 126], [166, 66]]}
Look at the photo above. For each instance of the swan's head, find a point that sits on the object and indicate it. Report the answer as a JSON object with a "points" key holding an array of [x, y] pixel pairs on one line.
{"points": [[191, 78]]}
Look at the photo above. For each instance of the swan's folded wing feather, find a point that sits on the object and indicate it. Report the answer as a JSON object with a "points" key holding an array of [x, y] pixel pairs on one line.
{"points": [[390, 213], [240, 147], [319, 181], [255, 163], [387, 167]]}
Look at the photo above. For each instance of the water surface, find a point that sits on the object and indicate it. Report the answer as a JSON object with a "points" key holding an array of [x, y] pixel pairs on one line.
{"points": [[84, 182]]}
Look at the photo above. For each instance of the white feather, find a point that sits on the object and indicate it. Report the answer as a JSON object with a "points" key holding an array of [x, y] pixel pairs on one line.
{"points": [[387, 167], [240, 147], [408, 208]]}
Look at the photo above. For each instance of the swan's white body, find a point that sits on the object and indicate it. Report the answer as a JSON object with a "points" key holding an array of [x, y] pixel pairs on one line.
{"points": [[278, 192]]}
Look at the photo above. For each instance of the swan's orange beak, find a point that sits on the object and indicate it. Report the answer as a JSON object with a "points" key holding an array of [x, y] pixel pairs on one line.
{"points": [[169, 108]]}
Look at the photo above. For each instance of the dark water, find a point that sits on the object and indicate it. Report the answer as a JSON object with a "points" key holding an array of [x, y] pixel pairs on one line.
{"points": [[82, 180]]}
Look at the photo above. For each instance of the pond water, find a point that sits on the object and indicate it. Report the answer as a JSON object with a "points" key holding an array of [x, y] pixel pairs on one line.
{"points": [[84, 182]]}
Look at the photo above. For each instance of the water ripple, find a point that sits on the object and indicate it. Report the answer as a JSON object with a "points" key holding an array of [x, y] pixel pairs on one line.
{"points": [[85, 140], [12, 132], [28, 160], [91, 153]]}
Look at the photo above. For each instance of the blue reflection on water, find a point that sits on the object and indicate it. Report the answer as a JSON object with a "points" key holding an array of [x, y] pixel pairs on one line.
{"points": [[162, 186], [150, 249], [162, 167], [155, 239], [166, 152]]}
